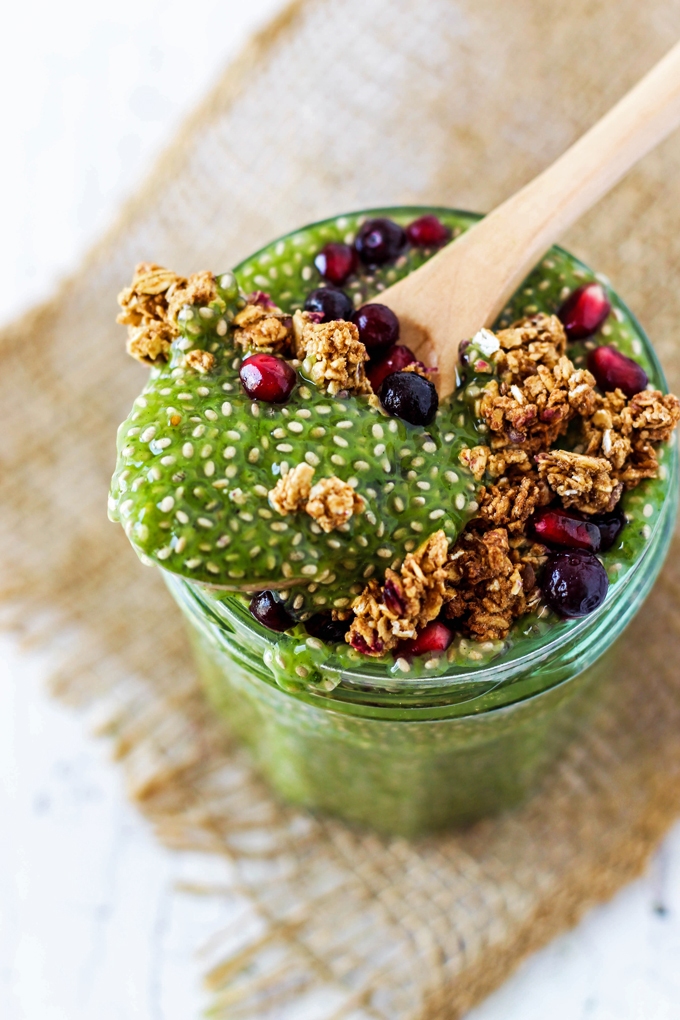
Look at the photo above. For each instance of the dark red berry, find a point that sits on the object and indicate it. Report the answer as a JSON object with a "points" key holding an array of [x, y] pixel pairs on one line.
{"points": [[331, 302], [324, 627], [409, 396], [270, 611], [574, 583], [613, 370], [428, 232], [265, 377], [561, 527], [379, 241], [584, 311], [611, 525], [336, 261], [378, 327], [434, 637], [396, 359]]}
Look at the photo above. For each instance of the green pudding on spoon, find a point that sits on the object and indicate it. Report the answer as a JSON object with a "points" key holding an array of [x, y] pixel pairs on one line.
{"points": [[207, 447]]}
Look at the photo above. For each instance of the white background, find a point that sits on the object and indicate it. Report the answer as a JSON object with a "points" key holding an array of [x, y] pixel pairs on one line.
{"points": [[92, 924]]}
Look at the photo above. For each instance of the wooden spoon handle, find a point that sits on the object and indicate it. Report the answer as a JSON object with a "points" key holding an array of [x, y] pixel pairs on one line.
{"points": [[540, 213], [467, 284]]}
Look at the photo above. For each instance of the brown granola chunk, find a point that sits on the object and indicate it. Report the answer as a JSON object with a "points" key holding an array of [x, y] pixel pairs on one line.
{"points": [[491, 587], [200, 361], [150, 306], [511, 502], [405, 603], [291, 492], [263, 327], [623, 430], [537, 391], [655, 415], [584, 482], [532, 411], [332, 502], [332, 354]]}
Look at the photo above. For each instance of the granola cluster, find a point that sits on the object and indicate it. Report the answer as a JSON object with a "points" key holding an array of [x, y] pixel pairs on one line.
{"points": [[332, 354], [621, 431], [331, 502], [539, 392], [385, 615], [150, 306], [262, 327]]}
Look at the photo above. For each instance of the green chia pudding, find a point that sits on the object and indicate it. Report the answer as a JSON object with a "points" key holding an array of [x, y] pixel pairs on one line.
{"points": [[354, 541]]}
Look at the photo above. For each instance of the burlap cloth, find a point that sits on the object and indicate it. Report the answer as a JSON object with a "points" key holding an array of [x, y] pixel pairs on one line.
{"points": [[337, 106]]}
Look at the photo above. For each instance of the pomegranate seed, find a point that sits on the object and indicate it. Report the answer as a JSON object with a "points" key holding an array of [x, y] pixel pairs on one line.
{"points": [[428, 232], [397, 357], [563, 528], [434, 637], [378, 326], [614, 371], [336, 261], [380, 240], [584, 311], [267, 378], [574, 583], [271, 613]]}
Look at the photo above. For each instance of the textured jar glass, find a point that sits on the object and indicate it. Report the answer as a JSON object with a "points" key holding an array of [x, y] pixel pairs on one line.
{"points": [[413, 753]]}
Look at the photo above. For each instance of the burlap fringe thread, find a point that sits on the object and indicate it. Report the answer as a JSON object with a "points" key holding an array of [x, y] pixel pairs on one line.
{"points": [[337, 106]]}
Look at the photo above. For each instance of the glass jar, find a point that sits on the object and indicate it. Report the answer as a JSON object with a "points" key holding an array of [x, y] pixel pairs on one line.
{"points": [[411, 753]]}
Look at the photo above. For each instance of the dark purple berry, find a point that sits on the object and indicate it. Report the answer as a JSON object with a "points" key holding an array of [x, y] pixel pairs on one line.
{"points": [[554, 526], [331, 302], [336, 261], [584, 311], [409, 396], [325, 628], [614, 371], [270, 611], [428, 232], [610, 525], [379, 241], [574, 583], [378, 327], [396, 359], [265, 377]]}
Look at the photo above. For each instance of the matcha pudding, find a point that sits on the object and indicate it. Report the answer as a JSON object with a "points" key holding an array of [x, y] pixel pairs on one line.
{"points": [[396, 601]]}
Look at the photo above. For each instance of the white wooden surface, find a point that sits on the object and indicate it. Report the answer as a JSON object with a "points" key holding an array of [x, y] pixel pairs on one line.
{"points": [[91, 921]]}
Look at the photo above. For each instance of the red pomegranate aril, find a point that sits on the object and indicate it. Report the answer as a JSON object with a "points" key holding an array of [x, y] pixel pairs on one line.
{"points": [[428, 232], [567, 530], [265, 377], [584, 311], [336, 261], [614, 371], [434, 637], [396, 359]]}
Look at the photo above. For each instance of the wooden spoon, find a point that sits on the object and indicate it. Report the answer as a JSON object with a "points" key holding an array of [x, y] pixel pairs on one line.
{"points": [[466, 285]]}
